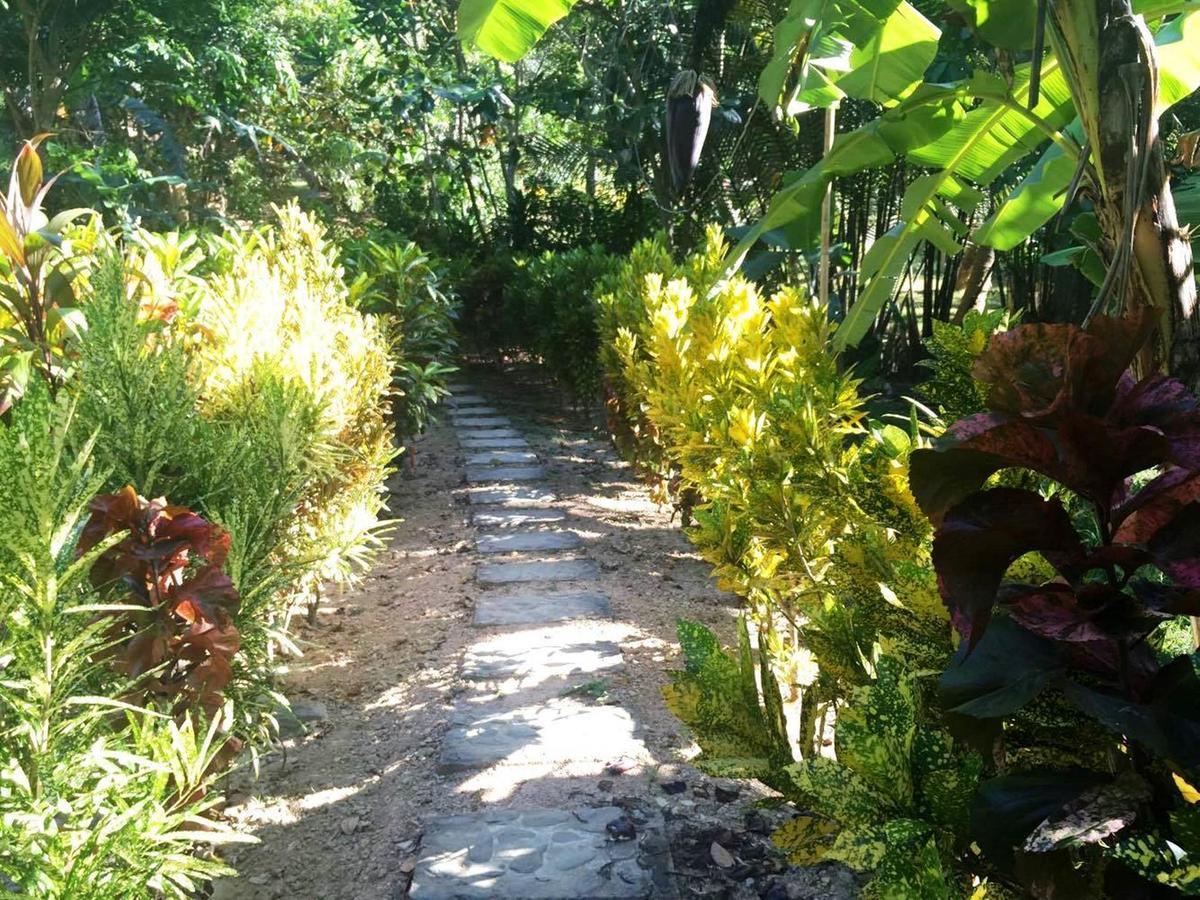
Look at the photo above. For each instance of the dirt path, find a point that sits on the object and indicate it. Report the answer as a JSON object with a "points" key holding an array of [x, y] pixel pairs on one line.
{"points": [[430, 693]]}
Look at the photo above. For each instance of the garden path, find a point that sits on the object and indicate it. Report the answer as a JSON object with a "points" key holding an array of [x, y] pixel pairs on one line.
{"points": [[488, 702], [526, 714]]}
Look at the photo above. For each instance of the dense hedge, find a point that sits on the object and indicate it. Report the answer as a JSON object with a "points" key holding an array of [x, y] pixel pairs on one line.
{"points": [[237, 377]]}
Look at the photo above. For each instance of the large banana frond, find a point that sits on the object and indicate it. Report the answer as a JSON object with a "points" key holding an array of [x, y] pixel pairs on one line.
{"points": [[829, 49], [508, 29], [1040, 195], [970, 132]]}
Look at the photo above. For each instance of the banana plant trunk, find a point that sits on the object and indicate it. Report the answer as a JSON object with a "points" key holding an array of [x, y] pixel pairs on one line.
{"points": [[1109, 59]]}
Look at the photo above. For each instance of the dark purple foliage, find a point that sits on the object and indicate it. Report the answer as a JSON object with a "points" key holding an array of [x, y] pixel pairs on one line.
{"points": [[1063, 405]]}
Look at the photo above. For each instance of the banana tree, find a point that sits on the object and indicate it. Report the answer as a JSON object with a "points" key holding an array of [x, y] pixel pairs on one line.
{"points": [[1094, 99]]}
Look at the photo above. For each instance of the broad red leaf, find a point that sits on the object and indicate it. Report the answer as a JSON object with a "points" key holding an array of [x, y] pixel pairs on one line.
{"points": [[1176, 546], [171, 561], [1096, 458], [973, 450], [110, 513], [982, 536], [1156, 506], [208, 596], [1054, 611], [1039, 371]]}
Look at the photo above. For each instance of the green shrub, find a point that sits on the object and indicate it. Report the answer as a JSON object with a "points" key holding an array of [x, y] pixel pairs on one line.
{"points": [[246, 465], [951, 388], [738, 409], [98, 799], [278, 308], [551, 311], [400, 283]]}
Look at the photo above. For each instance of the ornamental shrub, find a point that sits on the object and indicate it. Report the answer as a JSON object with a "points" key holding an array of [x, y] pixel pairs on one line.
{"points": [[736, 404], [399, 283], [550, 310], [99, 797]]}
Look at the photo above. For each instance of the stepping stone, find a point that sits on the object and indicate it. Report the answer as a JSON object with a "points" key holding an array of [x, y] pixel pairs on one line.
{"points": [[475, 412], [517, 731], [540, 854], [528, 541], [489, 434], [544, 570], [487, 474], [493, 444], [502, 458], [538, 657], [535, 609], [525, 495], [507, 518], [482, 422], [461, 400]]}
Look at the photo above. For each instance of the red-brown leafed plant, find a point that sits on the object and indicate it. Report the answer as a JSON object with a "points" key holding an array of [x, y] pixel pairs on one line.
{"points": [[177, 633]]}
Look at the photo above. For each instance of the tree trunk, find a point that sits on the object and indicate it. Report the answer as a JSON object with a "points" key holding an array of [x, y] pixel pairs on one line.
{"points": [[1109, 61]]}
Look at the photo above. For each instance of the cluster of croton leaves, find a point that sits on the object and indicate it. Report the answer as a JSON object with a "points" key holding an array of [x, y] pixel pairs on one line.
{"points": [[173, 625], [1051, 744]]}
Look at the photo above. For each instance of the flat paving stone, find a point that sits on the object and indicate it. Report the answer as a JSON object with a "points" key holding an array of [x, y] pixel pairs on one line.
{"points": [[475, 410], [540, 570], [482, 422], [488, 474], [493, 444], [512, 732], [488, 434], [502, 458], [513, 518], [541, 854], [528, 541], [539, 656], [537, 609], [467, 400], [512, 495]]}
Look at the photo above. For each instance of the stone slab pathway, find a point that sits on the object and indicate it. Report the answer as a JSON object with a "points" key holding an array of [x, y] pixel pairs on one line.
{"points": [[537, 570], [524, 714], [528, 541], [530, 609], [537, 854], [494, 474], [502, 458], [512, 518], [550, 653], [482, 422], [490, 434], [510, 496], [494, 443]]}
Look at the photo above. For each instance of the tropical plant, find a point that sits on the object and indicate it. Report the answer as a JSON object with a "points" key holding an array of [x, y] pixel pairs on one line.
{"points": [[550, 310], [1108, 556], [801, 504], [966, 134], [38, 313], [740, 729], [278, 302], [893, 803], [98, 798], [899, 793], [398, 282], [953, 348], [507, 29], [175, 633]]}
